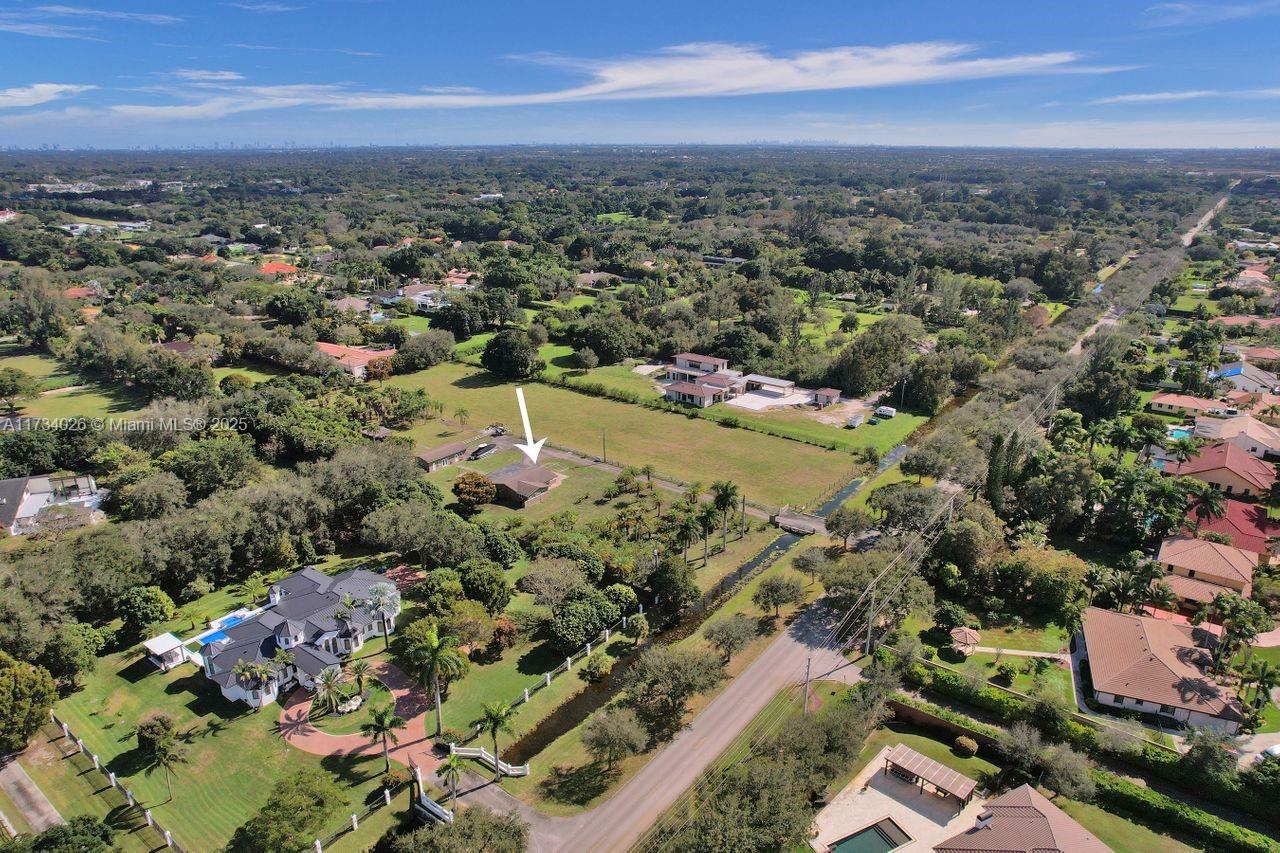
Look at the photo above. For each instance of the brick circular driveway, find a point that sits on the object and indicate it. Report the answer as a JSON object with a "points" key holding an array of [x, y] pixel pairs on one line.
{"points": [[412, 704]]}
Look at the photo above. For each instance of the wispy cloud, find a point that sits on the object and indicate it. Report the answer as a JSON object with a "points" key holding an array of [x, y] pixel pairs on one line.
{"points": [[37, 29], [1199, 14], [1188, 95], [682, 71], [200, 76], [280, 48], [265, 8], [38, 93], [58, 11]]}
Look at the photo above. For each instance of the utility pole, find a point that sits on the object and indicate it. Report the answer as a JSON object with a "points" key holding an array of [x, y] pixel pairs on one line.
{"points": [[604, 448], [807, 661], [742, 526], [871, 619]]}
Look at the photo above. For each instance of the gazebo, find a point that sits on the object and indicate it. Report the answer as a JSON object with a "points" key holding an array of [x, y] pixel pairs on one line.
{"points": [[910, 766], [165, 651], [964, 640]]}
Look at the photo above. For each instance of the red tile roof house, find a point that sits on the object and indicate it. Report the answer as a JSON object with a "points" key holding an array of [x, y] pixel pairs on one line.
{"points": [[353, 360], [1182, 404], [693, 394], [1023, 821], [277, 268], [1200, 569], [1229, 468], [1248, 525], [1155, 667]]}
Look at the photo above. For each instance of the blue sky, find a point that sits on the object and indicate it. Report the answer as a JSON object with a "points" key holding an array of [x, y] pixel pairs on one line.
{"points": [[119, 73]]}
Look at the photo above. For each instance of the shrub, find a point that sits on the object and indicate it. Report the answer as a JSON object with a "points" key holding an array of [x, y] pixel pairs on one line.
{"points": [[966, 746], [1126, 797], [597, 666], [395, 777]]}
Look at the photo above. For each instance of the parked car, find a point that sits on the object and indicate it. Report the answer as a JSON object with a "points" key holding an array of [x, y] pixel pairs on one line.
{"points": [[483, 450], [1271, 753], [496, 430]]}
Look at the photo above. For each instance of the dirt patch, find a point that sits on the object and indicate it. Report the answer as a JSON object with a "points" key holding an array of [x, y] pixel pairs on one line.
{"points": [[839, 414]]}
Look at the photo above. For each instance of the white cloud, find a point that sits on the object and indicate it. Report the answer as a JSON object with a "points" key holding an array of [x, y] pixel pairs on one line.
{"points": [[1188, 95], [14, 24], [57, 11], [201, 76], [265, 8], [1198, 14], [683, 71], [38, 93]]}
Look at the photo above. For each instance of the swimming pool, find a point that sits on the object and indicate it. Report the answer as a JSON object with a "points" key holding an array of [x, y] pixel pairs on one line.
{"points": [[212, 638], [880, 837], [1176, 432]]}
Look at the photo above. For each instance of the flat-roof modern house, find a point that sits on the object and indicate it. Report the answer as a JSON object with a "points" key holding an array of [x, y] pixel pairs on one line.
{"points": [[1155, 666], [26, 501], [689, 366], [435, 458], [1244, 431], [520, 484], [1199, 569], [1023, 821], [354, 360], [318, 618], [1228, 467]]}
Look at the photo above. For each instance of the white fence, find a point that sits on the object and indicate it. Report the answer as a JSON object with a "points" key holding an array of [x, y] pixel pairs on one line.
{"points": [[484, 756]]}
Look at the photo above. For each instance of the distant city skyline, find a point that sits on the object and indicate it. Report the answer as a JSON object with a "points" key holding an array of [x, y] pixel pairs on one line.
{"points": [[116, 74]]}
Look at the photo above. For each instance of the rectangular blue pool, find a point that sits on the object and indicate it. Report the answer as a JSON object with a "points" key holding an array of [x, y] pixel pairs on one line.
{"points": [[213, 638], [880, 837]]}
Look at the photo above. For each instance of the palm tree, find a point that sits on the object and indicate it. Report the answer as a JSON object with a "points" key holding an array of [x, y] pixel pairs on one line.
{"points": [[1264, 677], [1207, 502], [281, 660], [1161, 596], [647, 470], [706, 516], [433, 656], [166, 752], [381, 601], [684, 532], [693, 493], [461, 415], [1097, 431], [329, 684], [450, 772], [252, 589], [1182, 450], [724, 496], [1123, 436], [382, 726], [359, 671], [496, 718]]}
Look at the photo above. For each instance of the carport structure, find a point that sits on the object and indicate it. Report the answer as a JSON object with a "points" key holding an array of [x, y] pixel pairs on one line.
{"points": [[910, 766], [768, 384]]}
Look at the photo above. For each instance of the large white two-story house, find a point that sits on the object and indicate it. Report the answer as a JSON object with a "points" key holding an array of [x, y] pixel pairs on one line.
{"points": [[318, 618]]}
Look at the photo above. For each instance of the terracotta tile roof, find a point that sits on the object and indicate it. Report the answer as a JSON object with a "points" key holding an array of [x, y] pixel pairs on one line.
{"points": [[1248, 525], [1184, 401], [1192, 589], [1224, 455], [1153, 660], [693, 356], [277, 267], [1241, 320], [691, 389], [1023, 821], [1201, 555], [78, 292], [1263, 353], [353, 356], [1246, 425]]}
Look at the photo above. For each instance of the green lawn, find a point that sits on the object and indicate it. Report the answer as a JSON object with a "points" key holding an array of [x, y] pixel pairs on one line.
{"points": [[46, 369], [887, 477], [349, 724], [1120, 834], [771, 470], [1050, 637], [235, 754], [1055, 677], [619, 217], [255, 372], [92, 400], [414, 324]]}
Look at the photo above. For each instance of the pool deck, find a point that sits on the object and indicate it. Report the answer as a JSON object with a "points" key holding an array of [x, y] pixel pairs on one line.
{"points": [[874, 795]]}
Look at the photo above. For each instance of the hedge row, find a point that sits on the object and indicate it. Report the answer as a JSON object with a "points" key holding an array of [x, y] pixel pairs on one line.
{"points": [[1125, 797], [1151, 759]]}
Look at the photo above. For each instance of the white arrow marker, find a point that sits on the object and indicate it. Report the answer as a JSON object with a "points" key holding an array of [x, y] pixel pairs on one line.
{"points": [[530, 448]]}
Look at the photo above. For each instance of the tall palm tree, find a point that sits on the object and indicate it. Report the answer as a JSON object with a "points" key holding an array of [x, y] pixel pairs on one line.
{"points": [[252, 589], [724, 495], [1097, 431], [693, 493], [281, 660], [450, 772], [496, 718], [382, 726], [329, 684], [360, 672], [1207, 502], [462, 415], [381, 600], [648, 471], [706, 516], [684, 531], [1264, 677], [432, 656], [166, 752], [1123, 437]]}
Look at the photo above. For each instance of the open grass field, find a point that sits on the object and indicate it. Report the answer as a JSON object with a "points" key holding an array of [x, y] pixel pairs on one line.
{"points": [[770, 470], [1055, 677], [92, 400], [42, 367], [414, 324], [887, 477], [618, 217], [254, 372]]}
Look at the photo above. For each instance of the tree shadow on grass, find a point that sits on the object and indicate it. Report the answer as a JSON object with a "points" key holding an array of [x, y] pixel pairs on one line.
{"points": [[577, 786], [353, 770], [138, 670], [482, 379], [539, 659]]}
